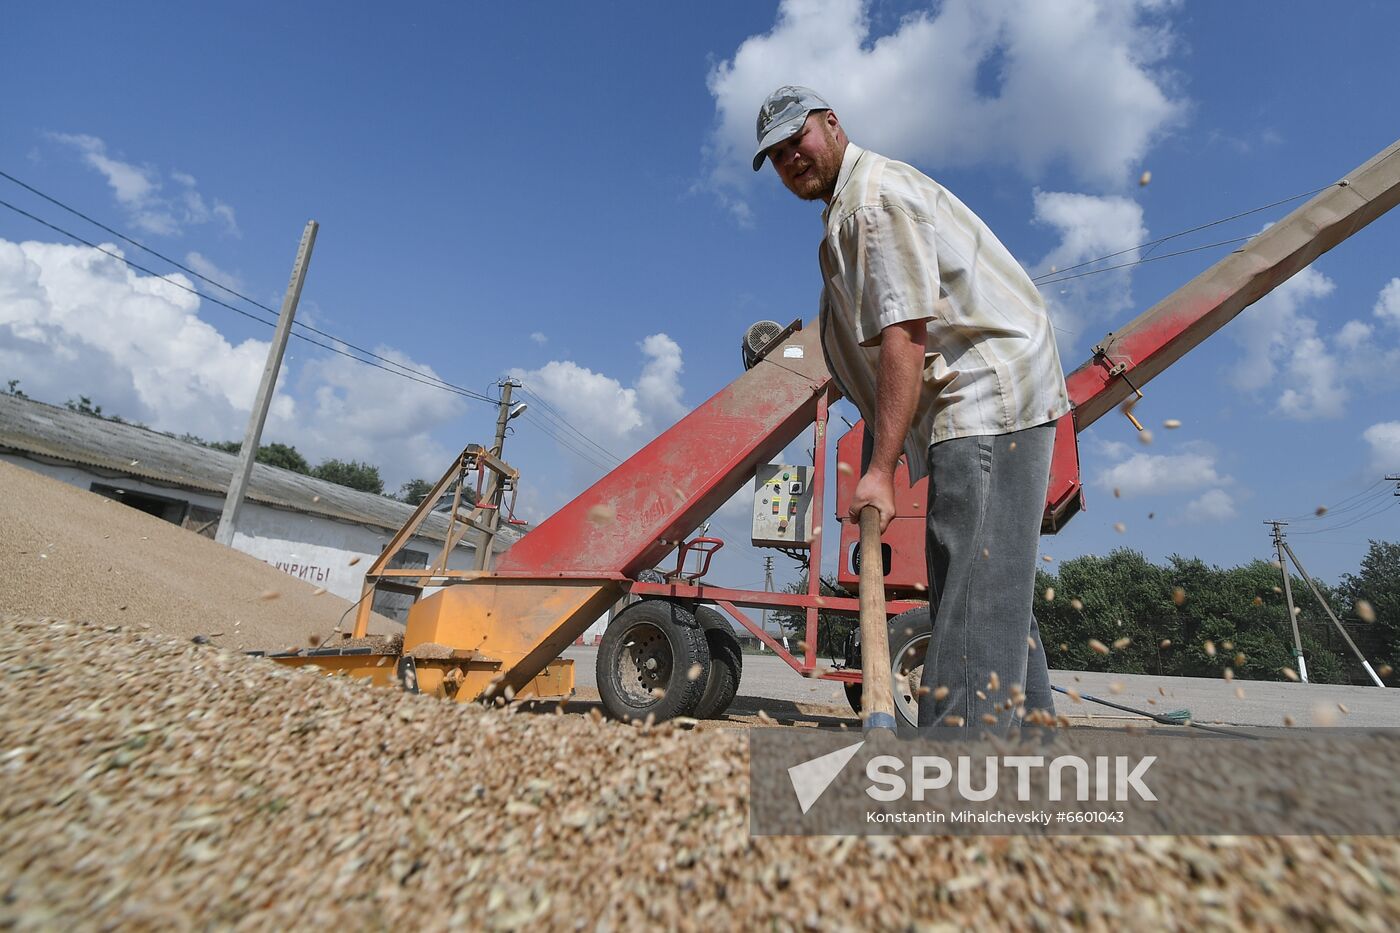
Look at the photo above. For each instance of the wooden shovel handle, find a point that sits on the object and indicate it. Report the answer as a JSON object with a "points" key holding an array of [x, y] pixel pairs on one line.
{"points": [[877, 696]]}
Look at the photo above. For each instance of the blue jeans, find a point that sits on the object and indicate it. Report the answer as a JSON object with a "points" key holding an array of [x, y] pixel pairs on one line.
{"points": [[986, 495]]}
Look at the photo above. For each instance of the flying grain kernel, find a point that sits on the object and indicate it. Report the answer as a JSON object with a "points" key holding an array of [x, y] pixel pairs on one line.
{"points": [[1115, 687], [1228, 674], [1145, 436], [1320, 511], [1164, 643], [1046, 557], [1288, 720], [353, 562], [994, 681], [602, 514], [1122, 643], [267, 595], [1117, 493], [1049, 594], [1144, 179], [320, 591], [1098, 646], [989, 719], [695, 671], [1120, 527], [1076, 605], [1178, 595], [1290, 673], [940, 693], [844, 469], [1171, 424], [1365, 611], [1239, 693]]}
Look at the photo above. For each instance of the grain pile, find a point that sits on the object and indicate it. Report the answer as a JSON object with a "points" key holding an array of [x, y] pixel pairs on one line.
{"points": [[147, 781], [70, 553]]}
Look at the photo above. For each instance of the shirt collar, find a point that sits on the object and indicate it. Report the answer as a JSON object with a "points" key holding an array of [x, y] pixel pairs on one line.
{"points": [[848, 164]]}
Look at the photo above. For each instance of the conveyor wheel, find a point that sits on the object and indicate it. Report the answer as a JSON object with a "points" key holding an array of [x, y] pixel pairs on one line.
{"points": [[726, 664], [648, 660]]}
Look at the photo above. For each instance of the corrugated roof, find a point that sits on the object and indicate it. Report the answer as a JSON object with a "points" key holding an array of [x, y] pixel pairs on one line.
{"points": [[37, 429]]}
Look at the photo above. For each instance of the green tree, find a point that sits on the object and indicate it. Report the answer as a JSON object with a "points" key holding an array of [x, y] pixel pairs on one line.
{"points": [[84, 406], [414, 490], [15, 390], [1186, 618], [1378, 585], [284, 456], [277, 455], [351, 473], [832, 627]]}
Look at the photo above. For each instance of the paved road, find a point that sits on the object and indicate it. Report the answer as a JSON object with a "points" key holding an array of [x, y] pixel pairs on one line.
{"points": [[1265, 703]]}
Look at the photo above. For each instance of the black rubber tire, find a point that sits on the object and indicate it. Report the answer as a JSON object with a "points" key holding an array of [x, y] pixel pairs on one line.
{"points": [[726, 664], [909, 633], [652, 645]]}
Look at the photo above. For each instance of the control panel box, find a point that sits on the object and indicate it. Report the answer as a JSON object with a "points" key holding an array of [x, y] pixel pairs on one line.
{"points": [[782, 506]]}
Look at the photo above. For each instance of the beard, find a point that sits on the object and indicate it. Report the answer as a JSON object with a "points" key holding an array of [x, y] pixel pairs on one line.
{"points": [[819, 181]]}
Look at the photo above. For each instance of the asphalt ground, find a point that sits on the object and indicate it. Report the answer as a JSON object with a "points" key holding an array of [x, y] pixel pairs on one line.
{"points": [[773, 687]]}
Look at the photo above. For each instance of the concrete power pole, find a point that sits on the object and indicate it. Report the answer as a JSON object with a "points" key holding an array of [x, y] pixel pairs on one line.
{"points": [[493, 493], [1288, 598], [767, 588], [247, 454]]}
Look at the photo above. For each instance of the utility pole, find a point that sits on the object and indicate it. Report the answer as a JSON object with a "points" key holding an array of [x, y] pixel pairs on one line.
{"points": [[494, 492], [767, 588], [247, 454], [1335, 621], [1288, 598]]}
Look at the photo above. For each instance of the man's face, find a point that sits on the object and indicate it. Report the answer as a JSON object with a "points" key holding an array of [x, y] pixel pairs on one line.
{"points": [[809, 160]]}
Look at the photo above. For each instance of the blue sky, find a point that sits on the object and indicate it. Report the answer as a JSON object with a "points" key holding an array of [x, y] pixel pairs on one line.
{"points": [[561, 191]]}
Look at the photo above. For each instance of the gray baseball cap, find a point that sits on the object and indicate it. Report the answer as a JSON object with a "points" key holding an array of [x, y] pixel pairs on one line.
{"points": [[782, 115]]}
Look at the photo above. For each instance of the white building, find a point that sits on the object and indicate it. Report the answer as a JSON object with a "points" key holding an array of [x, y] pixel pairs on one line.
{"points": [[312, 529]]}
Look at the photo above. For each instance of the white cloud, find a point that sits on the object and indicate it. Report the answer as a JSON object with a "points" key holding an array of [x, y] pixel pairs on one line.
{"points": [[1267, 328], [1384, 441], [539, 338], [1155, 474], [1217, 505], [1026, 82], [1354, 335], [206, 267], [75, 321], [139, 190], [1285, 347], [355, 412], [1388, 303], [620, 418], [1090, 226]]}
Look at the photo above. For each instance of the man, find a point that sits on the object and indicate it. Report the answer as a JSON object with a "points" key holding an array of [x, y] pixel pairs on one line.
{"points": [[937, 335]]}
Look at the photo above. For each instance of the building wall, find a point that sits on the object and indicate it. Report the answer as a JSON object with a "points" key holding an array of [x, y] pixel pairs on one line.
{"points": [[322, 551]]}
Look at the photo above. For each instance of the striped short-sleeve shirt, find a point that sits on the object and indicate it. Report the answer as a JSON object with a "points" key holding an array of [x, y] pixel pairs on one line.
{"points": [[900, 247]]}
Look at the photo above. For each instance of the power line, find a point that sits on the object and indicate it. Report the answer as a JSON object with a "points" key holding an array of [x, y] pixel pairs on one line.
{"points": [[1327, 513], [1172, 236], [1338, 505], [1138, 262], [409, 374], [406, 370], [1354, 521]]}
